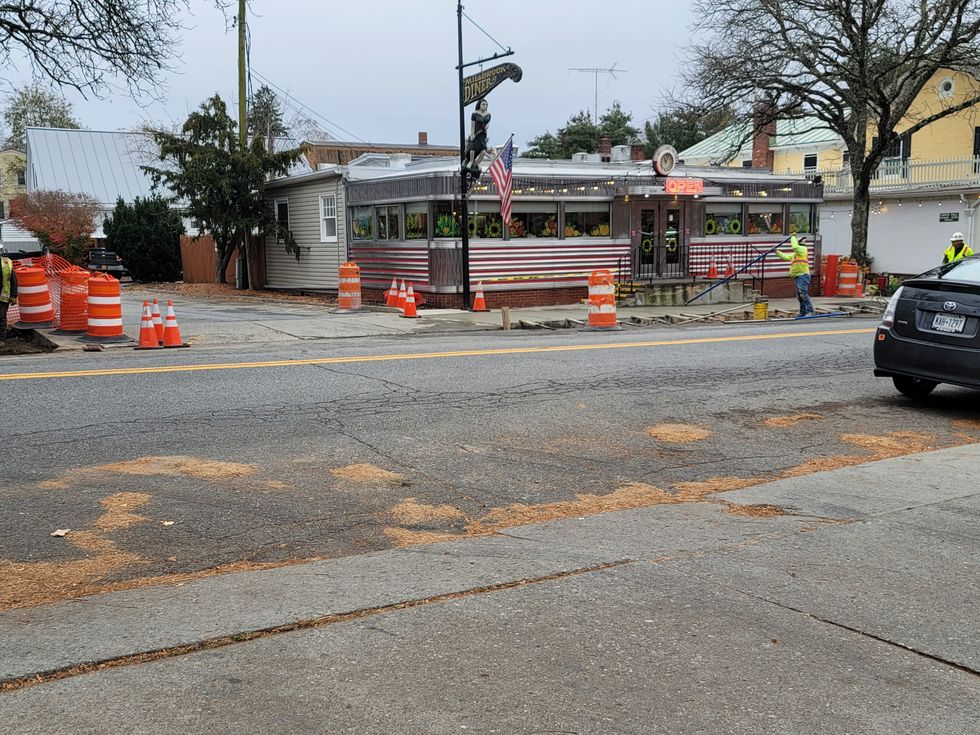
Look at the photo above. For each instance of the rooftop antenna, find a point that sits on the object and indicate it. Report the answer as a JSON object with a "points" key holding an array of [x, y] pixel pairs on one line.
{"points": [[611, 71]]}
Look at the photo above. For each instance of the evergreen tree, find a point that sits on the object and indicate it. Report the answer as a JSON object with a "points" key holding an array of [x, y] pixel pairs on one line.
{"points": [[265, 115], [146, 235], [616, 125]]}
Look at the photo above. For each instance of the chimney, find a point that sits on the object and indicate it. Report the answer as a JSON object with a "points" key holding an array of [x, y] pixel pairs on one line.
{"points": [[423, 138], [638, 152], [763, 130], [605, 149]]}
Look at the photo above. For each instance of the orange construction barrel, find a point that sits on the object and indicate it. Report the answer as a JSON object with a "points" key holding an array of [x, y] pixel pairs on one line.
{"points": [[602, 301], [34, 299], [847, 280], [830, 275], [349, 290], [104, 323]]}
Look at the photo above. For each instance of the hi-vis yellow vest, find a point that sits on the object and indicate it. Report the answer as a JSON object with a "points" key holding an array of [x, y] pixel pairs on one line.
{"points": [[7, 266], [951, 255]]}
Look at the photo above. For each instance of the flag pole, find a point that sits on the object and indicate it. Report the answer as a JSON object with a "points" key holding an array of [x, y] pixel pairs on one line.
{"points": [[464, 214]]}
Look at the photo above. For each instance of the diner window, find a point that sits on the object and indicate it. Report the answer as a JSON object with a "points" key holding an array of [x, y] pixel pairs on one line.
{"points": [[487, 225], [281, 211], [417, 221], [587, 219], [722, 219], [362, 223], [388, 222], [328, 218], [801, 218], [764, 219], [534, 219], [446, 220], [810, 163]]}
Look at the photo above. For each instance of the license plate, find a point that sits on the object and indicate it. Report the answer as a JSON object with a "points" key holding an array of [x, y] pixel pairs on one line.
{"points": [[948, 322]]}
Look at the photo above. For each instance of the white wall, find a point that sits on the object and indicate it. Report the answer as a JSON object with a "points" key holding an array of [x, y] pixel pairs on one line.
{"points": [[906, 239]]}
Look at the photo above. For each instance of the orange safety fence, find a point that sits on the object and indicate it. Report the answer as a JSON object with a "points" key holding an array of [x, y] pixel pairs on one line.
{"points": [[63, 279]]}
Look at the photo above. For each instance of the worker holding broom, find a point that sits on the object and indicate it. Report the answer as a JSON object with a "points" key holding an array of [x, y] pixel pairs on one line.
{"points": [[799, 270]]}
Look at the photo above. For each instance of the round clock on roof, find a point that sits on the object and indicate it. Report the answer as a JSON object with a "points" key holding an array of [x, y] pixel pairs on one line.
{"points": [[664, 159]]}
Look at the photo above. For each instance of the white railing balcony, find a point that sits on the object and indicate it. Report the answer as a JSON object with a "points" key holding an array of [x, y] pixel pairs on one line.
{"points": [[895, 174]]}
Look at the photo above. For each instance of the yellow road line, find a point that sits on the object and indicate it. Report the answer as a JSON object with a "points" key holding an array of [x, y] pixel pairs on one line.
{"points": [[422, 355]]}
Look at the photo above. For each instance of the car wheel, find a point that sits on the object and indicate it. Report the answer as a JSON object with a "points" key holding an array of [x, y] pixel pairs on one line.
{"points": [[914, 387]]}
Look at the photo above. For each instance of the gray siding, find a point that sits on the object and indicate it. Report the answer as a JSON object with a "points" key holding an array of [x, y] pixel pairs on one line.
{"points": [[318, 263]]}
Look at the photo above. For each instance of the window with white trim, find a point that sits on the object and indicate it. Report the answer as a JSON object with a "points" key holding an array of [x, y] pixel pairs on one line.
{"points": [[281, 211], [810, 163], [328, 218]]}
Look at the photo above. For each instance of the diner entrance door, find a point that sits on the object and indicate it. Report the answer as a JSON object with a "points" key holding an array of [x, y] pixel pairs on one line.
{"points": [[660, 242]]}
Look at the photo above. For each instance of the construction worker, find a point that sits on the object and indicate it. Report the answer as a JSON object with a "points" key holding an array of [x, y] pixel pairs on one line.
{"points": [[8, 291], [957, 249], [799, 269]]}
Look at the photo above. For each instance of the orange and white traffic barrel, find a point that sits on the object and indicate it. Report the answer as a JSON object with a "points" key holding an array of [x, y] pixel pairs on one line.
{"points": [[105, 323], [602, 301], [34, 299], [349, 291], [847, 279]]}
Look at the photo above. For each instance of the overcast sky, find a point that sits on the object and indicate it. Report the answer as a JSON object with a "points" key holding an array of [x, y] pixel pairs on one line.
{"points": [[384, 69]]}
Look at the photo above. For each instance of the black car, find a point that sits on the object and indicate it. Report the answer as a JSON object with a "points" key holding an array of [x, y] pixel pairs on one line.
{"points": [[105, 261], [930, 332]]}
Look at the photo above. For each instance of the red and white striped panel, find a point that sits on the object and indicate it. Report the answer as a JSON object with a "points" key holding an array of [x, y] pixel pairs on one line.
{"points": [[379, 264], [701, 254], [536, 264]]}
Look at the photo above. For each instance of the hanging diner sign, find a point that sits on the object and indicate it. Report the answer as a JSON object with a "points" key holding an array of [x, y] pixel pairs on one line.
{"points": [[684, 186], [479, 85]]}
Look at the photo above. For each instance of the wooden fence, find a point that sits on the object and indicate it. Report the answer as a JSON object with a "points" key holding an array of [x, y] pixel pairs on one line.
{"points": [[199, 258]]}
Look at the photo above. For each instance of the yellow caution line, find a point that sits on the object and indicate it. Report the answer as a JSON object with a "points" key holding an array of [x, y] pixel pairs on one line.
{"points": [[421, 355]]}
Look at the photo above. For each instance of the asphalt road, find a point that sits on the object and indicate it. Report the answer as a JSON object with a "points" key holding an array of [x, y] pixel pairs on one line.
{"points": [[204, 463]]}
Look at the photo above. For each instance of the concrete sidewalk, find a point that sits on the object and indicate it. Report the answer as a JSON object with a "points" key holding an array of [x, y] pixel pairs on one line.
{"points": [[853, 611], [247, 320]]}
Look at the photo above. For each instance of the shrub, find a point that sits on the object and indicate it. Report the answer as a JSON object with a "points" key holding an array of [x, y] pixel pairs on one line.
{"points": [[146, 235]]}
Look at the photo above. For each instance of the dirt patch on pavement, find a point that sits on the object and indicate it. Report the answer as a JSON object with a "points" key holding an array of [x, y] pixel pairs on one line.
{"points": [[893, 444], [781, 422], [754, 511], [276, 485], [688, 492], [409, 537], [367, 473], [410, 512], [119, 511], [678, 433], [177, 465], [968, 424], [227, 292], [38, 583]]}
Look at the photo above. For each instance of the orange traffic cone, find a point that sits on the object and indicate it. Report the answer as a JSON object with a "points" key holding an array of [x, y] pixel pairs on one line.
{"points": [[148, 333], [157, 321], [402, 296], [712, 268], [410, 304], [479, 303], [730, 269], [171, 332], [391, 295]]}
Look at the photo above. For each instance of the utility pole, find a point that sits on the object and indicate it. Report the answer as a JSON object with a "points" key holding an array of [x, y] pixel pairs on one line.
{"points": [[242, 91], [611, 71]]}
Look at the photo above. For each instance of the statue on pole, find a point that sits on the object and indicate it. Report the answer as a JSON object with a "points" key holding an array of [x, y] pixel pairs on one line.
{"points": [[476, 143]]}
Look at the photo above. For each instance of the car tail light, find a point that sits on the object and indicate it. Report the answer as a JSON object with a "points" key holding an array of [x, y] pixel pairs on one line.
{"points": [[888, 318]]}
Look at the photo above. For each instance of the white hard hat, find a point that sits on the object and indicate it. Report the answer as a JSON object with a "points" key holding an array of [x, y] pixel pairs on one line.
{"points": [[956, 236]]}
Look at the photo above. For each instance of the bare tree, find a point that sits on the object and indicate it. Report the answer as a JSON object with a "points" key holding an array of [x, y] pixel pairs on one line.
{"points": [[857, 66], [85, 44]]}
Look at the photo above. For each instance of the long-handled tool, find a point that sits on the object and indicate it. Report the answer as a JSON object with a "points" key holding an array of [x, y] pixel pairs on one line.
{"points": [[744, 268]]}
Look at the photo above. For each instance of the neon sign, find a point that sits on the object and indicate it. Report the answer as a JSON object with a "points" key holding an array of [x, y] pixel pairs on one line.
{"points": [[684, 186]]}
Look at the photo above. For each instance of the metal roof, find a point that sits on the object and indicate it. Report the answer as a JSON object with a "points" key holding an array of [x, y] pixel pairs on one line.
{"points": [[737, 138], [103, 164]]}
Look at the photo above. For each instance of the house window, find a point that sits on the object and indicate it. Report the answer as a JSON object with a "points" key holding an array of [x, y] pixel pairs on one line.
{"points": [[21, 178], [417, 221], [810, 163], [747, 163], [534, 219], [282, 218], [389, 222], [362, 223], [723, 219], [587, 219], [447, 220], [3, 210], [328, 218]]}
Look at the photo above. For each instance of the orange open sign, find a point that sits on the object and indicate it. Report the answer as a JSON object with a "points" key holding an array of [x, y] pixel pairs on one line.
{"points": [[684, 186]]}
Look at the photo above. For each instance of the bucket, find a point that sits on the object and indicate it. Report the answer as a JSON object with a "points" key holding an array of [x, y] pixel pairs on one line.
{"points": [[761, 310]]}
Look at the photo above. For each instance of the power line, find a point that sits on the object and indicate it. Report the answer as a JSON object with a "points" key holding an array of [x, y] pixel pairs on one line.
{"points": [[300, 107], [611, 71]]}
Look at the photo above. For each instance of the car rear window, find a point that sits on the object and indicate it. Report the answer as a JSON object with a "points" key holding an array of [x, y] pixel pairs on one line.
{"points": [[963, 270]]}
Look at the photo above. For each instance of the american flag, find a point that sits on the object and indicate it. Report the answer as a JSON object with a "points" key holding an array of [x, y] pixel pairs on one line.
{"points": [[500, 172]]}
